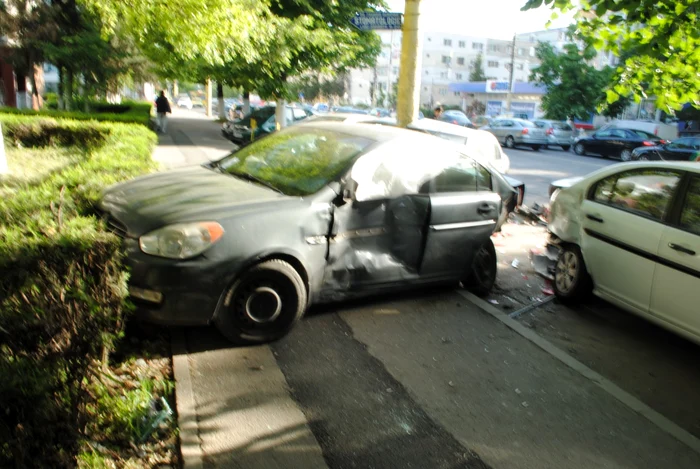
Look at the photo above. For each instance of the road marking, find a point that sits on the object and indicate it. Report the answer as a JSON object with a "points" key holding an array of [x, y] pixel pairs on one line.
{"points": [[608, 386]]}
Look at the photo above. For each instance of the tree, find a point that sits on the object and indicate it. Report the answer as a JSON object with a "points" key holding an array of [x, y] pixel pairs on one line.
{"points": [[477, 69], [574, 87], [476, 108], [661, 39]]}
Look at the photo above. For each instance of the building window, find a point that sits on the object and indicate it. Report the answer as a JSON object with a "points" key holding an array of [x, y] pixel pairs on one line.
{"points": [[445, 59], [443, 74], [427, 55], [462, 44], [521, 51], [447, 42], [425, 88], [427, 72], [458, 76], [493, 48], [443, 91], [478, 45], [457, 93], [429, 40], [519, 66], [532, 51], [460, 60], [493, 63]]}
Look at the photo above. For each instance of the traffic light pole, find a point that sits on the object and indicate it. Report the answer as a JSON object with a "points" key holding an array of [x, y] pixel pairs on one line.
{"points": [[409, 72]]}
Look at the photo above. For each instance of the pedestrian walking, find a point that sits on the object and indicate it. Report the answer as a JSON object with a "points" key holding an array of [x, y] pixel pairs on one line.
{"points": [[437, 112], [162, 109]]}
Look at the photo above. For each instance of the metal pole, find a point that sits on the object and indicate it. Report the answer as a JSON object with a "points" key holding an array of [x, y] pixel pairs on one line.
{"points": [[410, 67], [509, 96], [391, 56]]}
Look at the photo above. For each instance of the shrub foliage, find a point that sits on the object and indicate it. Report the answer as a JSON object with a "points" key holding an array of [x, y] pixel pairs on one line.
{"points": [[62, 288]]}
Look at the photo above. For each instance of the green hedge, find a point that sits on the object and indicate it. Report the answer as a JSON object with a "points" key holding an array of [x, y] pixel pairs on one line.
{"points": [[130, 112], [63, 288]]}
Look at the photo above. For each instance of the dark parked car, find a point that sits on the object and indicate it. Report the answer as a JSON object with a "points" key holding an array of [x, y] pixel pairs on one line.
{"points": [[316, 212], [617, 143], [682, 149], [241, 131], [457, 118]]}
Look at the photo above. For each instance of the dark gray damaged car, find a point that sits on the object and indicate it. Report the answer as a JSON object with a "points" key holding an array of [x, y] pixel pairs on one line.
{"points": [[317, 212]]}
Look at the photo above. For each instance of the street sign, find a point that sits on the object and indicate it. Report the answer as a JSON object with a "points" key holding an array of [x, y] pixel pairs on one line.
{"points": [[367, 21]]}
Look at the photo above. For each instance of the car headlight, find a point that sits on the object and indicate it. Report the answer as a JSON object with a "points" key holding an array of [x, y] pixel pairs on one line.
{"points": [[181, 241]]}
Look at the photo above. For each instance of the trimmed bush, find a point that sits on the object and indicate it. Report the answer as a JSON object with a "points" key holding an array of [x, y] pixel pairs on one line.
{"points": [[132, 112], [62, 289]]}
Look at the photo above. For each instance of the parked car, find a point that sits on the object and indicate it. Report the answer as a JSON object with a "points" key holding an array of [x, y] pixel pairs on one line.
{"points": [[457, 118], [481, 121], [682, 149], [558, 133], [617, 143], [379, 112], [350, 110], [630, 233], [184, 101], [241, 132], [317, 212], [666, 131], [514, 132]]}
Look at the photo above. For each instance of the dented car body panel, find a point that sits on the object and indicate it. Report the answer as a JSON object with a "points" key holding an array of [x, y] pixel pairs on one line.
{"points": [[348, 233]]}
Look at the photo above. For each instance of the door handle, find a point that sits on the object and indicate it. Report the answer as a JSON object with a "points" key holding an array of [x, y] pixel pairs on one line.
{"points": [[594, 218], [483, 209], [682, 249]]}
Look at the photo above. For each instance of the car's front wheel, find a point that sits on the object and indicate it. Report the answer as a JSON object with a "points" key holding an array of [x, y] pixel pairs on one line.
{"points": [[626, 155], [263, 304], [571, 280], [481, 276], [579, 149]]}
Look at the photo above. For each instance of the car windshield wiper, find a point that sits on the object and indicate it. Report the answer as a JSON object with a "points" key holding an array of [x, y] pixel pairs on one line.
{"points": [[250, 177]]}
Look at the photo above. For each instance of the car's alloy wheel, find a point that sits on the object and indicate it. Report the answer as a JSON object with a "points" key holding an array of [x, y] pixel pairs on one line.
{"points": [[579, 149], [263, 304], [481, 276], [571, 279], [626, 155], [510, 142]]}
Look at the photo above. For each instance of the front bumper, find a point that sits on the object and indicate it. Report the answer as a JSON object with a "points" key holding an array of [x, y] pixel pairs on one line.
{"points": [[190, 289]]}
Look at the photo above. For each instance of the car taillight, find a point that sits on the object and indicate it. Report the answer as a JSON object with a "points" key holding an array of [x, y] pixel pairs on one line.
{"points": [[647, 143], [550, 131], [454, 121], [526, 131], [663, 142]]}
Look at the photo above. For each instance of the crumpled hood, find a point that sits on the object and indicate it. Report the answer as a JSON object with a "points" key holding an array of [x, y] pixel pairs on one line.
{"points": [[193, 193]]}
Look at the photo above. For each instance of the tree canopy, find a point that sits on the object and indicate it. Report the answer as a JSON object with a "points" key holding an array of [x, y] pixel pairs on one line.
{"points": [[574, 87], [477, 72], [660, 38]]}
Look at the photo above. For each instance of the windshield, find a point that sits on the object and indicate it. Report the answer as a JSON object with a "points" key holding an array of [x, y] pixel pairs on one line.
{"points": [[296, 161]]}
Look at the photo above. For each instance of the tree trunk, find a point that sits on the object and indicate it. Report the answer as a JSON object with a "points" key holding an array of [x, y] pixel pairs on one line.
{"points": [[220, 96], [246, 103], [280, 114], [68, 97], [61, 80]]}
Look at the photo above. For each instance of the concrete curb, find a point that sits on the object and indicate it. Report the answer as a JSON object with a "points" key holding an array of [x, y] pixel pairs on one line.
{"points": [[190, 445], [608, 386]]}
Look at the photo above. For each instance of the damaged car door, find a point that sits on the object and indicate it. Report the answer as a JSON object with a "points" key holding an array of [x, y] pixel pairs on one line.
{"points": [[404, 218]]}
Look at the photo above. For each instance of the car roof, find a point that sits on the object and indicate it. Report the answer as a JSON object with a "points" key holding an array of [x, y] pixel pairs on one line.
{"points": [[378, 133]]}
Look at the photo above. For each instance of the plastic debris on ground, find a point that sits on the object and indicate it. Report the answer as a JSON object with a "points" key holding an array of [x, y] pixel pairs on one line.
{"points": [[515, 263]]}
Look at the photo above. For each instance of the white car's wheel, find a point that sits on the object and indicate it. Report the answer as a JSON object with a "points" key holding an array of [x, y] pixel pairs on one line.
{"points": [[571, 279]]}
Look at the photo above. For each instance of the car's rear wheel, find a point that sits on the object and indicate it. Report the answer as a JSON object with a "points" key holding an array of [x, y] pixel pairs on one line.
{"points": [[510, 142], [571, 280], [643, 158], [579, 149], [481, 276], [565, 147], [263, 304], [626, 155]]}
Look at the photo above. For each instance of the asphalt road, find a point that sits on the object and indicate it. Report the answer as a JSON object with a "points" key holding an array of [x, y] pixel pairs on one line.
{"points": [[538, 168], [428, 380]]}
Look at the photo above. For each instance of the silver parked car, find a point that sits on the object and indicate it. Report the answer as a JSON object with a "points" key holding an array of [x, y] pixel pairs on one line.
{"points": [[557, 132], [513, 132]]}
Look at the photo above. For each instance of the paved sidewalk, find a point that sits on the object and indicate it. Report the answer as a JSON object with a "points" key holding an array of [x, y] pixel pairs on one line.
{"points": [[419, 381]]}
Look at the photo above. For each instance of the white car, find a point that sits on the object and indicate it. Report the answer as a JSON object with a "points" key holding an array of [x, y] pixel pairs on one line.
{"points": [[630, 233], [479, 144], [184, 101]]}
